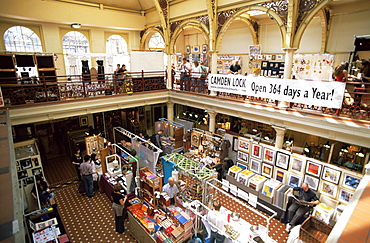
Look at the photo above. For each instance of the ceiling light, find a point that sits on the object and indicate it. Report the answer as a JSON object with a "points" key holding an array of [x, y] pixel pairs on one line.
{"points": [[76, 26]]}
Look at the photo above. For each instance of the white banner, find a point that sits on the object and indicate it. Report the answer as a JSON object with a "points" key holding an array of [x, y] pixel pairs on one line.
{"points": [[318, 93]]}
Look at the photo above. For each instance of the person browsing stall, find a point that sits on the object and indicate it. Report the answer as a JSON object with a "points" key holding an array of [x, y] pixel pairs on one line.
{"points": [[87, 176], [171, 189], [119, 202], [218, 223], [43, 192], [235, 68], [306, 199]]}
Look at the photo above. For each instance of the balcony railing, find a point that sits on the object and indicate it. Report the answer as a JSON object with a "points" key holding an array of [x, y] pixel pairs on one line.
{"points": [[356, 102]]}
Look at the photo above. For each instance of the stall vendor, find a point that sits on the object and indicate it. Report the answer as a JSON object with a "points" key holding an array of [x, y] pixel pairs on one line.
{"points": [[171, 189]]}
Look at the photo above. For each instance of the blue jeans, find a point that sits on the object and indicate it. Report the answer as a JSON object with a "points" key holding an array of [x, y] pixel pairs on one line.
{"points": [[88, 181], [216, 237]]}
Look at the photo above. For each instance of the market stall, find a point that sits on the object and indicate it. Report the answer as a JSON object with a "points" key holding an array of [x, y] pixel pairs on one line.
{"points": [[172, 137]]}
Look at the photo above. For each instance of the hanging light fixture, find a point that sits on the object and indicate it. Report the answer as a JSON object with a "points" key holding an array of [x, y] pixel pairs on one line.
{"points": [[361, 153], [326, 145], [76, 26]]}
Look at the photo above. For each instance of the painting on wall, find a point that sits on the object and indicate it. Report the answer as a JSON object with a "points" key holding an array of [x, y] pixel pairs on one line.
{"points": [[344, 195], [242, 156], [294, 180], [312, 182], [351, 181], [255, 166], [282, 160], [331, 175], [280, 175], [244, 144], [257, 151], [267, 170], [297, 165], [313, 168], [269, 155], [329, 189]]}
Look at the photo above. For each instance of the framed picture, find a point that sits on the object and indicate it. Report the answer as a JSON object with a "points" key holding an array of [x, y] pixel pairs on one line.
{"points": [[37, 171], [25, 163], [17, 163], [18, 168], [204, 48], [195, 139], [244, 144], [280, 175], [22, 174], [243, 156], [269, 155], [35, 162], [351, 181], [187, 49], [297, 165], [267, 170], [29, 180], [329, 189], [312, 182], [344, 195], [257, 150], [242, 164], [235, 144], [331, 175], [83, 121], [255, 166], [195, 49], [313, 168], [294, 180], [279, 56], [282, 160]]}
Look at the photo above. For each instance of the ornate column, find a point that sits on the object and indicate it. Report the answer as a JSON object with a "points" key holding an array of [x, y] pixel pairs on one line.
{"points": [[280, 131], [170, 115], [213, 26], [287, 70], [212, 120]]}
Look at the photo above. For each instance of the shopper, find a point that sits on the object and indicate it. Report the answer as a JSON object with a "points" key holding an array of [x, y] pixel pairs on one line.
{"points": [[77, 161], [218, 223], [43, 192], [296, 210], [119, 201], [341, 72], [95, 164], [185, 69], [171, 189], [235, 68], [87, 176], [156, 139]]}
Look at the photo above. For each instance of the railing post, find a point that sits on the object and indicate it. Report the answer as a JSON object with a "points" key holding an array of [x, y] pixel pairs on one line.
{"points": [[142, 81], [45, 88], [115, 82], [83, 84]]}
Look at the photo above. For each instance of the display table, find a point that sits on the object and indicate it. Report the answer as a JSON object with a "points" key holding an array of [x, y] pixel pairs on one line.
{"points": [[138, 231], [105, 186]]}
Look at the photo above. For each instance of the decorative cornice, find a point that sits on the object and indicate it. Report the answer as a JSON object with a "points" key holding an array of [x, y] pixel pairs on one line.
{"points": [[304, 8], [224, 16], [204, 19]]}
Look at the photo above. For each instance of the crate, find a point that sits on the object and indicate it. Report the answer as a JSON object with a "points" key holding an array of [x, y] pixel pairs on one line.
{"points": [[314, 231]]}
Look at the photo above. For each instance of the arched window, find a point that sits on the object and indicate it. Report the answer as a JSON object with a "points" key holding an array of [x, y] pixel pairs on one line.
{"points": [[156, 42], [21, 39], [75, 44], [116, 45]]}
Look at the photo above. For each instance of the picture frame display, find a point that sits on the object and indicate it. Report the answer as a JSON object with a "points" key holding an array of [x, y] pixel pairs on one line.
{"points": [[26, 163], [312, 182], [255, 166], [331, 175], [297, 165], [344, 195], [204, 48], [267, 170], [269, 155], [187, 49], [195, 49], [350, 181], [294, 180], [243, 156], [244, 144], [329, 189], [280, 175], [313, 168], [242, 164], [282, 160], [257, 150]]}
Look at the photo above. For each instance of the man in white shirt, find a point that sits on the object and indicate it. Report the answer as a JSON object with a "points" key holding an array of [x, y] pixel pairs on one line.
{"points": [[185, 69], [171, 189], [218, 223]]}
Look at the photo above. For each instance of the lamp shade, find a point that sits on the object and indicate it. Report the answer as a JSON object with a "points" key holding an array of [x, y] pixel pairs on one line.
{"points": [[76, 26]]}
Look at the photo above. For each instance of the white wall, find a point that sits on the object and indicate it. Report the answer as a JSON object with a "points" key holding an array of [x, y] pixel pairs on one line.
{"points": [[236, 39], [311, 38], [345, 27], [270, 38]]}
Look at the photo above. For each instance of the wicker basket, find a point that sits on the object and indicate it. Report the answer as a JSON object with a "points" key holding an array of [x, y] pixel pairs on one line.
{"points": [[314, 231]]}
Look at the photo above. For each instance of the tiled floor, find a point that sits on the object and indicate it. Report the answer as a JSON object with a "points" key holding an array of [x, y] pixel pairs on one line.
{"points": [[88, 219]]}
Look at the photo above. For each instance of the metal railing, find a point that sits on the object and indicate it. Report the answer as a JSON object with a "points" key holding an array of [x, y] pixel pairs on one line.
{"points": [[356, 102]]}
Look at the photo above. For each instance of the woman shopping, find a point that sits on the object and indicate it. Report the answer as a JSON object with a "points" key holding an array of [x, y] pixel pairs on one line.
{"points": [[119, 207]]}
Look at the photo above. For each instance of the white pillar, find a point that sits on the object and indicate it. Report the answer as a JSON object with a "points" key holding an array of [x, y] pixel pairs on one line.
{"points": [[212, 120], [169, 71], [170, 113], [213, 68], [287, 71], [279, 141]]}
